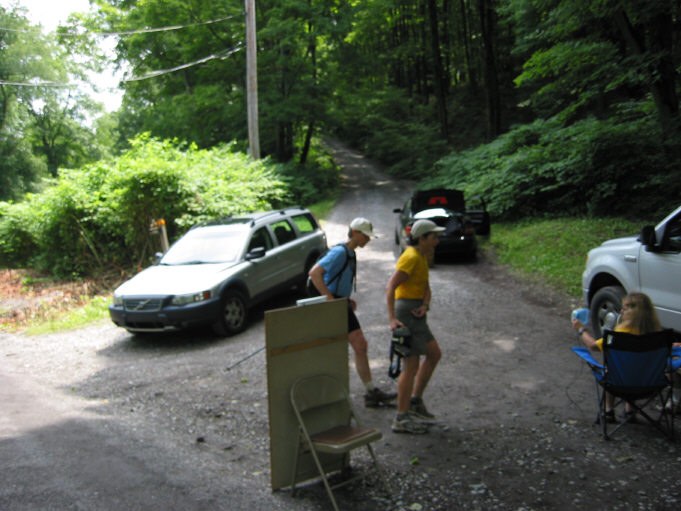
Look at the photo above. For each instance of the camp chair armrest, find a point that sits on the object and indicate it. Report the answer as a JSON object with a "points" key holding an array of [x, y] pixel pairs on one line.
{"points": [[586, 355]]}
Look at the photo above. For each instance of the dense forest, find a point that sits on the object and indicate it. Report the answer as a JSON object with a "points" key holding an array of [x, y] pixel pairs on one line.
{"points": [[543, 107]]}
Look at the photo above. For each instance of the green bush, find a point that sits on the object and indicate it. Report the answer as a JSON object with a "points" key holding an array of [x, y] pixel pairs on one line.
{"points": [[20, 169], [621, 166], [16, 239], [98, 217]]}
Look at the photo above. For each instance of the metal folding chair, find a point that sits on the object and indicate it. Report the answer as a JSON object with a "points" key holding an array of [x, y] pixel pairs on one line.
{"points": [[328, 427]]}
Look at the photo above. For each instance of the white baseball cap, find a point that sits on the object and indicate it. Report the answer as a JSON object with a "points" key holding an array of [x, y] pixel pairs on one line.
{"points": [[362, 225], [423, 227]]}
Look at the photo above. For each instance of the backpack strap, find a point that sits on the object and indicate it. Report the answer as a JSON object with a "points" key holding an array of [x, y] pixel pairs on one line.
{"points": [[345, 265]]}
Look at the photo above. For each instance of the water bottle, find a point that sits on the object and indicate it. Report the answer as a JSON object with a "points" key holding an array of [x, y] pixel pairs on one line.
{"points": [[581, 315]]}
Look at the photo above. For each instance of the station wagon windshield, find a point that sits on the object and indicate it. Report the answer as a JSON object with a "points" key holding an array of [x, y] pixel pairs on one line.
{"points": [[208, 245]]}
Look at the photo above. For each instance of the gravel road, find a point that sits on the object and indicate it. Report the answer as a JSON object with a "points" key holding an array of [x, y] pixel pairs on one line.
{"points": [[98, 419]]}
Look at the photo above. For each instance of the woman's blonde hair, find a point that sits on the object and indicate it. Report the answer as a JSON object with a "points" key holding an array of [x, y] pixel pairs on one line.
{"points": [[643, 317]]}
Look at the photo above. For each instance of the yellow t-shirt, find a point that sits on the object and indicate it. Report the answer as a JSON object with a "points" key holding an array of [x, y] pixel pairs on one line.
{"points": [[618, 328], [415, 265]]}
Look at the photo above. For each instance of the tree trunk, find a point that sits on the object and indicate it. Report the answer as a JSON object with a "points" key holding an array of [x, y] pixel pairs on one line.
{"points": [[488, 27], [284, 142], [471, 76], [305, 151], [662, 71], [662, 45], [5, 107], [446, 45], [440, 89]]}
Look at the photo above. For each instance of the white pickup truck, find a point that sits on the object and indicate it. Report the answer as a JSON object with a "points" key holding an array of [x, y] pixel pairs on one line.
{"points": [[649, 263]]}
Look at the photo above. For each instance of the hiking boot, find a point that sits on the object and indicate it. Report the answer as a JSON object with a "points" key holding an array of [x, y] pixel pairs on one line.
{"points": [[405, 423], [376, 398], [419, 409], [427, 421]]}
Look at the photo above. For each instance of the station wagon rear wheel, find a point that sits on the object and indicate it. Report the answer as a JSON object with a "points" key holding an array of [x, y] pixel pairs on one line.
{"points": [[233, 314]]}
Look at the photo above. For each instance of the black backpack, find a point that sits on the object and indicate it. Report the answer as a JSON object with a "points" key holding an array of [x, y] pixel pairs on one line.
{"points": [[309, 285]]}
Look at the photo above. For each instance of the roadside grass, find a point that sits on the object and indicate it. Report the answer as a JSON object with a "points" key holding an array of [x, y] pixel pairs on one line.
{"points": [[93, 309], [554, 250], [31, 302], [551, 251], [321, 209]]}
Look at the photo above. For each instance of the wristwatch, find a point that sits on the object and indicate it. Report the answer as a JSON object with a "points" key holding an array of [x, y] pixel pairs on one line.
{"points": [[581, 331]]}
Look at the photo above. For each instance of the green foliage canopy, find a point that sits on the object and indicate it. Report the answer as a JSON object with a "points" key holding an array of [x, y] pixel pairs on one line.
{"points": [[614, 166], [98, 217]]}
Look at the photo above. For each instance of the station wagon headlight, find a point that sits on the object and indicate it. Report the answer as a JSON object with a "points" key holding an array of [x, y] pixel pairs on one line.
{"points": [[192, 298], [118, 301]]}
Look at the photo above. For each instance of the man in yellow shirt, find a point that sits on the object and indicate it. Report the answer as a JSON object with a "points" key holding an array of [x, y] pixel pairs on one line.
{"points": [[408, 298]]}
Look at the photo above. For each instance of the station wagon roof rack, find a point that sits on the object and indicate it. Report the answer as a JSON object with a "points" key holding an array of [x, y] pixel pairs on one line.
{"points": [[251, 218]]}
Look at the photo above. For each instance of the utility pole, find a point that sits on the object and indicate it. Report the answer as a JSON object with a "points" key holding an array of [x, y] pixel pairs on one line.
{"points": [[252, 81]]}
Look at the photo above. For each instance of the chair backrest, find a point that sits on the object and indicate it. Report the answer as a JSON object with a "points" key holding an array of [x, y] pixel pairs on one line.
{"points": [[321, 402], [637, 362]]}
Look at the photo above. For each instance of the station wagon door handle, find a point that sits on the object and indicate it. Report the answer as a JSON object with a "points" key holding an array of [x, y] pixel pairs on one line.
{"points": [[630, 258]]}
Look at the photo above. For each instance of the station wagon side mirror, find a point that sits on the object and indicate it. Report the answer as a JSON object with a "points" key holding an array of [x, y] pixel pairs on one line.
{"points": [[647, 238], [157, 257], [255, 253]]}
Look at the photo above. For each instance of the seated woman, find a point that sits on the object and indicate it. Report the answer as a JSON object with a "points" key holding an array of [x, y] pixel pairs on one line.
{"points": [[638, 317]]}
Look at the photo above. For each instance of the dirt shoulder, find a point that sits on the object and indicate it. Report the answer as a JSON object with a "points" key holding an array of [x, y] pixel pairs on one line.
{"points": [[26, 297]]}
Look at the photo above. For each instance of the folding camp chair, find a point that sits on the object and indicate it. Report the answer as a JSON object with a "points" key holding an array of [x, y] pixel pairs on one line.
{"points": [[328, 428], [676, 358], [635, 370]]}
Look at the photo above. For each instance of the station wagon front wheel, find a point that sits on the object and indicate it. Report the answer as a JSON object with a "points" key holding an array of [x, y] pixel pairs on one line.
{"points": [[233, 314]]}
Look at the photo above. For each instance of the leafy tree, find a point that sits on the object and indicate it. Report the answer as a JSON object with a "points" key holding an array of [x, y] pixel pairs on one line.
{"points": [[42, 115], [59, 132], [593, 55], [19, 169], [451, 61], [192, 78], [185, 82]]}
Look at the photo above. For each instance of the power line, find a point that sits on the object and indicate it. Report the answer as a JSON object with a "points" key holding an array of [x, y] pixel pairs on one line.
{"points": [[131, 32], [154, 74], [162, 29], [36, 84], [151, 74]]}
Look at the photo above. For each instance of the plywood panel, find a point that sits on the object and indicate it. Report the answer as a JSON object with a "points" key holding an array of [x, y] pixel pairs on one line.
{"points": [[300, 341]]}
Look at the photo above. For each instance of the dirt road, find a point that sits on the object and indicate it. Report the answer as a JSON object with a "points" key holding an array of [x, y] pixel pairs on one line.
{"points": [[100, 419]]}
